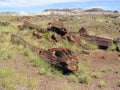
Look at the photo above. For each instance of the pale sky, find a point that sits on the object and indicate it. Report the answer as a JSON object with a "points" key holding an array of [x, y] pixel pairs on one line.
{"points": [[39, 5]]}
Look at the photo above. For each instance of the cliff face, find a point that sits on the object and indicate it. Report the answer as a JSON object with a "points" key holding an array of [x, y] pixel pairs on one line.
{"points": [[62, 11], [95, 10], [76, 11]]}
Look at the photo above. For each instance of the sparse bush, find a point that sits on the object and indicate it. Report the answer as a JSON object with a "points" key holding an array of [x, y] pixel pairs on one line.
{"points": [[118, 83], [65, 87], [92, 46], [10, 56], [44, 68], [85, 79], [112, 47], [102, 84], [83, 68], [96, 75], [27, 52], [5, 73], [83, 73], [9, 80], [72, 78]]}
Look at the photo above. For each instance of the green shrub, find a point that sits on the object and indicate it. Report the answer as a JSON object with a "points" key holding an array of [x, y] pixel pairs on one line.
{"points": [[85, 79], [27, 51], [82, 73], [83, 68], [118, 83], [72, 78], [92, 46], [10, 80], [10, 56], [5, 73], [102, 84], [96, 75], [112, 47], [44, 68]]}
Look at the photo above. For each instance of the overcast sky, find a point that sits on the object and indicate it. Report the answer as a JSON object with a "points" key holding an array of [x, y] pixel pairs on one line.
{"points": [[39, 5]]}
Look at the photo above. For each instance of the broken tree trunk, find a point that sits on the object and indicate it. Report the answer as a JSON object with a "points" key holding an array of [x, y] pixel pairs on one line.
{"points": [[103, 43], [28, 25], [59, 57], [61, 32]]}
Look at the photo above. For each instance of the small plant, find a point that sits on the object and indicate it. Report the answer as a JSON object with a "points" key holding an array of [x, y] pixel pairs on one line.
{"points": [[85, 79], [118, 83], [5, 73], [96, 75], [72, 78], [44, 67], [93, 46], [27, 51], [10, 80], [42, 71], [10, 56], [112, 47], [32, 84], [65, 87], [8, 84], [83, 68], [102, 84]]}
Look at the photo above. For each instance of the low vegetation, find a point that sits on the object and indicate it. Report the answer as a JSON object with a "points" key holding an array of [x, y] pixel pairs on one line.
{"points": [[11, 79], [102, 84]]}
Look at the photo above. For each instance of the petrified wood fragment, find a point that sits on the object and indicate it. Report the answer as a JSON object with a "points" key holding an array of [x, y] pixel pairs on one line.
{"points": [[28, 25], [58, 28], [37, 34], [103, 43], [116, 41], [63, 58], [4, 23], [59, 57]]}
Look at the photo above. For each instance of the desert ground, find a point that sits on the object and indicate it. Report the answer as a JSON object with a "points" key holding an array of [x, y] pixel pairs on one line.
{"points": [[24, 69]]}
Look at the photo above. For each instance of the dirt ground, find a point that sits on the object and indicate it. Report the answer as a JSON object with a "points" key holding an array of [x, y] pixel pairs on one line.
{"points": [[105, 62]]}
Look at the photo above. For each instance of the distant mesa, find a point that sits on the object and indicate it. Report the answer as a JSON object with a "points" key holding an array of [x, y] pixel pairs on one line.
{"points": [[75, 11], [66, 11], [95, 10]]}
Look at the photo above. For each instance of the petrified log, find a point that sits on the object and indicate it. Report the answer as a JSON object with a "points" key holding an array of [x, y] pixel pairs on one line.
{"points": [[37, 34], [103, 43], [41, 30], [20, 27], [56, 37], [116, 41], [77, 41], [83, 31], [4, 23], [58, 28], [59, 57], [27, 24], [62, 33], [63, 58], [19, 40]]}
